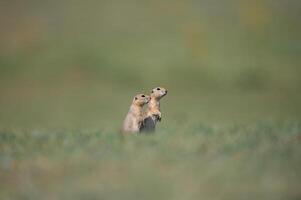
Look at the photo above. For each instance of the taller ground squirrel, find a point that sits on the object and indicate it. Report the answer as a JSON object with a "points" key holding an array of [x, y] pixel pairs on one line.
{"points": [[153, 113]]}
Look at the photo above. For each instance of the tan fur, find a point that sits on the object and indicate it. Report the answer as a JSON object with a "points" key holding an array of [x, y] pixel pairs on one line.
{"points": [[153, 112], [134, 118]]}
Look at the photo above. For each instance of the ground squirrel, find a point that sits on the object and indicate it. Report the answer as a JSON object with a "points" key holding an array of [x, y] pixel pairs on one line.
{"points": [[134, 118], [153, 113]]}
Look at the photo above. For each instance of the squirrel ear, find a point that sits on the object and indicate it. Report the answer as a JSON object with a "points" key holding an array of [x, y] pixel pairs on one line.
{"points": [[152, 91], [136, 98]]}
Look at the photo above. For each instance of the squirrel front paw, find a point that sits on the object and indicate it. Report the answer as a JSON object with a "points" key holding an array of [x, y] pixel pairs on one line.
{"points": [[158, 116], [140, 124]]}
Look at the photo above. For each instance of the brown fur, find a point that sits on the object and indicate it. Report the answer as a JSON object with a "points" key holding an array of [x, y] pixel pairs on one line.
{"points": [[153, 112], [134, 118]]}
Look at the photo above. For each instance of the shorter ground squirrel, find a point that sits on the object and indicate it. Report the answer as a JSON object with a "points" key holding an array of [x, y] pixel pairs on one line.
{"points": [[153, 113], [134, 118]]}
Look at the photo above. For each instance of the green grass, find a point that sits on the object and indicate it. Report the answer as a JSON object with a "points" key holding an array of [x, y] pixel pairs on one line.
{"points": [[194, 161]]}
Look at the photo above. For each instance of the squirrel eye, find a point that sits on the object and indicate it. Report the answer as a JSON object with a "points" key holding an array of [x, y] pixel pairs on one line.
{"points": [[158, 88], [143, 95]]}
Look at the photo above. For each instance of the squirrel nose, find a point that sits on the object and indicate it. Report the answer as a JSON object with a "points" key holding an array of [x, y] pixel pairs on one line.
{"points": [[165, 91]]}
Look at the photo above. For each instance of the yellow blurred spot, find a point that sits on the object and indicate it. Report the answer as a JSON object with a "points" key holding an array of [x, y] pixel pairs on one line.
{"points": [[195, 40], [254, 14]]}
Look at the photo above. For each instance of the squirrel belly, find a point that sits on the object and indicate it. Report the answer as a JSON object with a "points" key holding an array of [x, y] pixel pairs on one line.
{"points": [[149, 124]]}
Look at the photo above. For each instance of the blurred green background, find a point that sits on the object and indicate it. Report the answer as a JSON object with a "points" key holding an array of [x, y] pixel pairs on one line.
{"points": [[79, 63]]}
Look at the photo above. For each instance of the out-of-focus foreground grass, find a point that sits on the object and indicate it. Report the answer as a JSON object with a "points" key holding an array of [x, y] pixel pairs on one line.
{"points": [[193, 161], [231, 120]]}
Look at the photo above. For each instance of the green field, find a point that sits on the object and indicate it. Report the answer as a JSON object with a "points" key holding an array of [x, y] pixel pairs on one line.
{"points": [[231, 122], [189, 161]]}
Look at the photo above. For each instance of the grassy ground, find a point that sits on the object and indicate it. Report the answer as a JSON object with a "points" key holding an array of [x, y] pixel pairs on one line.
{"points": [[191, 161]]}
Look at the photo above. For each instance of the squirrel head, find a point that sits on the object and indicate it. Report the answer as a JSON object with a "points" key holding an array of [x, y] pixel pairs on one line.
{"points": [[158, 93], [141, 99]]}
